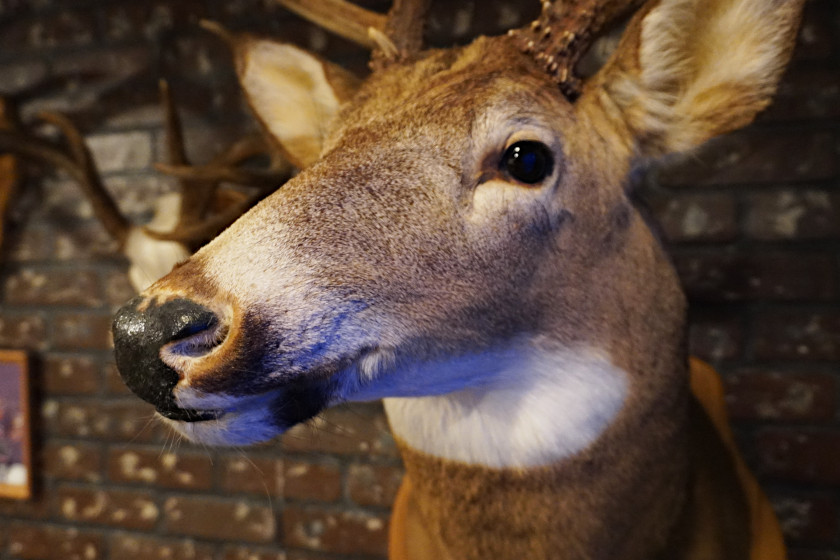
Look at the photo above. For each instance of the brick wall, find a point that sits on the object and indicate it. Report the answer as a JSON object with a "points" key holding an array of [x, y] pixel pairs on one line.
{"points": [[753, 222]]}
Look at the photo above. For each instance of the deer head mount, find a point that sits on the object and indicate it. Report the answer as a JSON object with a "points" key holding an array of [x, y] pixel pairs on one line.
{"points": [[184, 220], [461, 242]]}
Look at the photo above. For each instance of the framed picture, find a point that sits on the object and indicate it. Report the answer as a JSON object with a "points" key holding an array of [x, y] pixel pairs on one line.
{"points": [[15, 426]]}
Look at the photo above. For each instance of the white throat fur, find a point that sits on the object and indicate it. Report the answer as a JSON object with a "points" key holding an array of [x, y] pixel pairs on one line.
{"points": [[537, 408]]}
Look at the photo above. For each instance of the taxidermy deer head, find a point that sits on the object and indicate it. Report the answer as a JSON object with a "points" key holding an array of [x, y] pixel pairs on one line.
{"points": [[461, 242]]}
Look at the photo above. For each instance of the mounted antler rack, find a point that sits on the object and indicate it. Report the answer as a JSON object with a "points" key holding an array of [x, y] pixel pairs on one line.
{"points": [[203, 205]]}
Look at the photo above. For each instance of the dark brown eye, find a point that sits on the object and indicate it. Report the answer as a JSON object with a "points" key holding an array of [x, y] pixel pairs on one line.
{"points": [[528, 162]]}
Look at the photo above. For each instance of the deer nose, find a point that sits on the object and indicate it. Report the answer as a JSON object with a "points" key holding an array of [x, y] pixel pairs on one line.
{"points": [[141, 329]]}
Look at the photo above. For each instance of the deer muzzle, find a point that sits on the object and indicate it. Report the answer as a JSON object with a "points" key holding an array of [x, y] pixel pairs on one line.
{"points": [[143, 328]]}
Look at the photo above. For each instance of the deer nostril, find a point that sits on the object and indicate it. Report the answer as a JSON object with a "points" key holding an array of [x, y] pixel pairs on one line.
{"points": [[198, 340], [142, 331]]}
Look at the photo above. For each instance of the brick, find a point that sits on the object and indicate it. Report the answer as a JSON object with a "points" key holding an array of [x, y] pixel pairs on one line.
{"points": [[253, 475], [115, 61], [120, 508], [218, 519], [123, 151], [118, 288], [204, 141], [797, 455], [374, 485], [85, 241], [151, 467], [75, 419], [716, 277], [26, 243], [816, 34], [797, 336], [61, 29], [311, 481], [697, 217], [807, 518], [461, 20], [82, 331], [323, 530], [202, 58], [145, 547], [113, 382], [70, 375], [357, 429], [755, 157], [134, 420], [793, 214], [806, 93], [37, 508], [757, 394], [18, 76], [138, 194], [250, 553], [44, 542], [25, 331], [305, 555], [72, 461], [716, 338], [151, 20], [64, 201], [810, 554], [97, 419], [44, 286]]}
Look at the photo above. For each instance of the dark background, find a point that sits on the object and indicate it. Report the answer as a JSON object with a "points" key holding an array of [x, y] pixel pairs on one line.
{"points": [[753, 222]]}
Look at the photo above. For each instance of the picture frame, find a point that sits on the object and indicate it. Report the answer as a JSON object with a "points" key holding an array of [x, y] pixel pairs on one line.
{"points": [[15, 426]]}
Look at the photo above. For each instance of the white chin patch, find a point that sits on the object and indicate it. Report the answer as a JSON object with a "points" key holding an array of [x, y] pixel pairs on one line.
{"points": [[530, 408], [251, 422]]}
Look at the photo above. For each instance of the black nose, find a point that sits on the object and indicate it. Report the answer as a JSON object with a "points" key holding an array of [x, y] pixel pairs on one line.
{"points": [[141, 328]]}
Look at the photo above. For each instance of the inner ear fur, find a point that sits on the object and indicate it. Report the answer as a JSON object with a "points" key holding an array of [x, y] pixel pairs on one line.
{"points": [[294, 94], [688, 70]]}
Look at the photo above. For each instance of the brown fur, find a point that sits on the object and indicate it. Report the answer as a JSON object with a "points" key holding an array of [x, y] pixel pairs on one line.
{"points": [[721, 515]]}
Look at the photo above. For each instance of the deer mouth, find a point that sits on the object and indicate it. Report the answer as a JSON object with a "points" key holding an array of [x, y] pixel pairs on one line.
{"points": [[189, 414]]}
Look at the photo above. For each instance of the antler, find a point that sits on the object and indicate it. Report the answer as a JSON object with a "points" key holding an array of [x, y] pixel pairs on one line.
{"points": [[201, 217], [342, 18], [393, 37], [76, 160], [563, 33]]}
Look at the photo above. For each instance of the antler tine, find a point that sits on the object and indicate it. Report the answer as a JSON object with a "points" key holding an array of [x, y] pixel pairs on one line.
{"points": [[223, 167], [216, 173], [393, 37], [404, 29], [198, 234], [341, 17], [564, 31], [196, 195]]}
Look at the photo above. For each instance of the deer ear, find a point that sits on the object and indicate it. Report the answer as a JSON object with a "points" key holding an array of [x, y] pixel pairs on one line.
{"points": [[689, 70], [294, 94]]}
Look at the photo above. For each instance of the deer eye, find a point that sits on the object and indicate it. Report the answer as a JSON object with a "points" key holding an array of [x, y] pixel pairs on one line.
{"points": [[527, 161]]}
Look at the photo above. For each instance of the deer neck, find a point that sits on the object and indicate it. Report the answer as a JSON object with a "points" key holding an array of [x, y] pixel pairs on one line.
{"points": [[587, 458]]}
